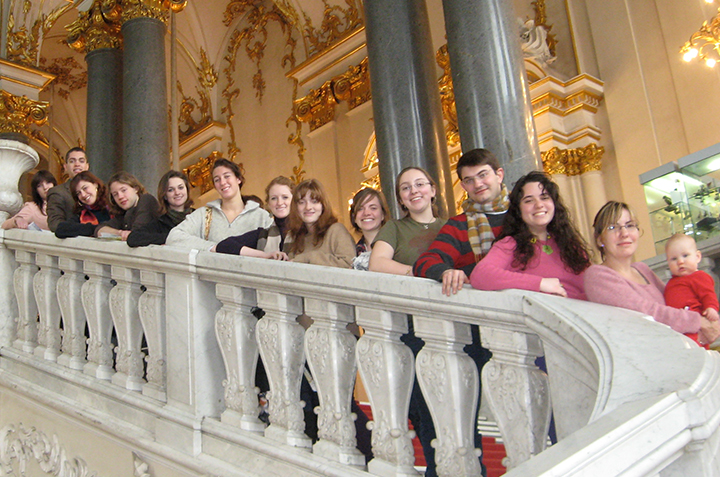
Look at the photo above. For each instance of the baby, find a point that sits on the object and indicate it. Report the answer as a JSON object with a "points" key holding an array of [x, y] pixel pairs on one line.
{"points": [[689, 288]]}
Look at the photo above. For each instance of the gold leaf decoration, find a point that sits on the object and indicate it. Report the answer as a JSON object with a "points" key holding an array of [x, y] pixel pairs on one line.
{"points": [[63, 69], [573, 162], [447, 98], [188, 106], [200, 173], [336, 23], [95, 29], [23, 43], [254, 37], [541, 20], [18, 113]]}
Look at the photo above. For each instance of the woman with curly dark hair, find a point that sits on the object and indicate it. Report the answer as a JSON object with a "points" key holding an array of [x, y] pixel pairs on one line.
{"points": [[539, 248]]}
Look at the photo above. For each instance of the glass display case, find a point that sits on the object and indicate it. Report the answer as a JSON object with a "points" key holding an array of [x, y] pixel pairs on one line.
{"points": [[684, 196]]}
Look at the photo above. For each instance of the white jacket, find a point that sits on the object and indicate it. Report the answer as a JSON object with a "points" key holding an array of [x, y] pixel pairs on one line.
{"points": [[190, 233]]}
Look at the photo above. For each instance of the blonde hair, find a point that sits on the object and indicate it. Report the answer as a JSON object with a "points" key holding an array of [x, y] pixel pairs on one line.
{"points": [[607, 215], [677, 238]]}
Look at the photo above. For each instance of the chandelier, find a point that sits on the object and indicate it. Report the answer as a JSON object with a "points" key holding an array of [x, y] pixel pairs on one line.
{"points": [[704, 44]]}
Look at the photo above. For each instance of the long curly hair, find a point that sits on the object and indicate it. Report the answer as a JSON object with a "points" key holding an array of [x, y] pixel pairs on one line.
{"points": [[101, 199], [573, 249], [296, 226]]}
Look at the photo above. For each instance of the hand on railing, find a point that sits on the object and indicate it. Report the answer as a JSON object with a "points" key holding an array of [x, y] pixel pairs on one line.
{"points": [[453, 281], [552, 286]]}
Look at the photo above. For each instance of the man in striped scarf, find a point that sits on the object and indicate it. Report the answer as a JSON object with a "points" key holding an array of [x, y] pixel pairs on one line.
{"points": [[466, 238]]}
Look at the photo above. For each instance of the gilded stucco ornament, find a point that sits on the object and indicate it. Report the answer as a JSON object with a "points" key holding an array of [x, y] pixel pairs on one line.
{"points": [[318, 107], [23, 40], [200, 173], [353, 86], [95, 29], [157, 9], [18, 113], [254, 37], [188, 106], [65, 73], [573, 162], [447, 98], [336, 23]]}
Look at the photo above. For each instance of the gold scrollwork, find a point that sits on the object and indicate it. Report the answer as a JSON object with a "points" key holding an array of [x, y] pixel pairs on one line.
{"points": [[18, 113], [63, 69], [336, 23], [157, 9], [95, 29], [207, 74], [23, 44], [573, 162], [353, 86], [188, 105], [295, 139], [200, 173], [318, 107], [447, 98], [255, 38]]}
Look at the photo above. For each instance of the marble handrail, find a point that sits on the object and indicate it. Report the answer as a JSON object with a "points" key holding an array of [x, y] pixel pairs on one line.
{"points": [[197, 315]]}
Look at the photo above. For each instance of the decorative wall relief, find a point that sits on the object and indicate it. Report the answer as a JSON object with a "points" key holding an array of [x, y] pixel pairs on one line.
{"points": [[68, 73], [20, 445], [254, 38], [189, 106], [200, 173], [573, 162], [24, 38], [336, 23]]}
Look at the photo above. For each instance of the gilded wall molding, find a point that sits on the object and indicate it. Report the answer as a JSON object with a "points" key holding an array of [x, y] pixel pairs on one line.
{"points": [[353, 86], [200, 173], [317, 108], [156, 9], [95, 29], [18, 113], [20, 444], [188, 106], [63, 69], [23, 41], [336, 24], [573, 162], [295, 139], [254, 37], [207, 74], [447, 97]]}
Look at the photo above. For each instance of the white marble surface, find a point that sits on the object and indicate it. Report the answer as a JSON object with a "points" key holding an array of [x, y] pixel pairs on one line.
{"points": [[629, 395]]}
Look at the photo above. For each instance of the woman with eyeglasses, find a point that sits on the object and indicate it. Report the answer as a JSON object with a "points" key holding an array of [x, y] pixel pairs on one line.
{"points": [[620, 282], [539, 248], [395, 249], [401, 242]]}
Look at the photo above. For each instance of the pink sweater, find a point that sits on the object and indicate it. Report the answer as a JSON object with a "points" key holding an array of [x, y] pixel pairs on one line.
{"points": [[495, 271], [604, 285]]}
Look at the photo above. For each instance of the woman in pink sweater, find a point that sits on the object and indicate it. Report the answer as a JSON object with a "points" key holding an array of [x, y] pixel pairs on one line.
{"points": [[619, 281], [539, 248]]}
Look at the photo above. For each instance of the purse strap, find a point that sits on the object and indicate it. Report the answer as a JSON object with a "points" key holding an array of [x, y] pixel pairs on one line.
{"points": [[208, 221]]}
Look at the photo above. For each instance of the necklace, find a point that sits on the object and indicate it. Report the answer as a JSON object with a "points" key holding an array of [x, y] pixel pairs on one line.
{"points": [[545, 247]]}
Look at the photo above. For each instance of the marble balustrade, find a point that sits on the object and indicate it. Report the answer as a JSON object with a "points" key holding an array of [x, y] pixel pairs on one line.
{"points": [[168, 341]]}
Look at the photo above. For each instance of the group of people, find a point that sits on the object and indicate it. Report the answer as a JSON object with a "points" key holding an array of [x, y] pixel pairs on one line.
{"points": [[523, 239]]}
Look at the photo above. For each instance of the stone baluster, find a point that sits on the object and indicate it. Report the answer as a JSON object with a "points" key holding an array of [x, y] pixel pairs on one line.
{"points": [[27, 324], [517, 391], [330, 351], [95, 294], [387, 370], [280, 339], [449, 381], [45, 286], [124, 299], [235, 330], [151, 307], [69, 287]]}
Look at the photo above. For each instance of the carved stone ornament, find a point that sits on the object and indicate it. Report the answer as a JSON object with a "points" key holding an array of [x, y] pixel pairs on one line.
{"points": [[21, 445], [573, 162], [18, 113], [199, 173]]}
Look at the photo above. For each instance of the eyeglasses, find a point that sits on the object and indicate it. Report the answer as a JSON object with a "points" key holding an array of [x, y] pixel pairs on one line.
{"points": [[405, 188], [616, 228], [470, 180]]}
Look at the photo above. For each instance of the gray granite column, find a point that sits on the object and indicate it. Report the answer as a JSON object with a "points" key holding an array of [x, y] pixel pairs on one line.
{"points": [[145, 107], [406, 101], [105, 111], [491, 92]]}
